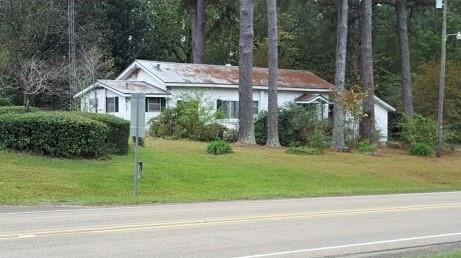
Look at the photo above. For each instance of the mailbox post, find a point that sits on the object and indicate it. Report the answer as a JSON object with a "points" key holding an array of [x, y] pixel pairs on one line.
{"points": [[138, 123]]}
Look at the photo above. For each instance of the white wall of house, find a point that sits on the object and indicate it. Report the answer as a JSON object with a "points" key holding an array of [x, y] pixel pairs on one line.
{"points": [[381, 118], [212, 95], [88, 100]]}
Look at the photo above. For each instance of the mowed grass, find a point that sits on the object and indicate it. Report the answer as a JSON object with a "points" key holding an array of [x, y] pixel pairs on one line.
{"points": [[181, 171]]}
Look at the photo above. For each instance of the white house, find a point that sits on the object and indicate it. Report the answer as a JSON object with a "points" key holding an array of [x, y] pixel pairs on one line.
{"points": [[164, 83]]}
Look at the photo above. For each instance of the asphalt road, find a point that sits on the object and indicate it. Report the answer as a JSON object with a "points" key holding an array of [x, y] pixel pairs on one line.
{"points": [[361, 226]]}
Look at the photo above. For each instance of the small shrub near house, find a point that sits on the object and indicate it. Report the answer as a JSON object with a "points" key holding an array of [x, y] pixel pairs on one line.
{"points": [[231, 135], [15, 110], [303, 150], [418, 129], [298, 125], [5, 102], [219, 147], [421, 149], [193, 118], [118, 131], [365, 146], [55, 134]]}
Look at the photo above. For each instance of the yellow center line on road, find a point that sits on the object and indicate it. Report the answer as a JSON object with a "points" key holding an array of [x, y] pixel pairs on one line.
{"points": [[120, 228]]}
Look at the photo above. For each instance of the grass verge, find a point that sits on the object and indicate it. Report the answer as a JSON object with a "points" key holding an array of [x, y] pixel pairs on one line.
{"points": [[182, 171]]}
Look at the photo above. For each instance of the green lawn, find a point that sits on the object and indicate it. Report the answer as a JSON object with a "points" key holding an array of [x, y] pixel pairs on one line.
{"points": [[181, 171], [452, 254]]}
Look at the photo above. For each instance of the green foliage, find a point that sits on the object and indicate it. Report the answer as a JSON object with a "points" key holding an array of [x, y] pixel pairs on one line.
{"points": [[118, 131], [303, 150], [297, 125], [16, 110], [421, 149], [54, 134], [5, 102], [231, 135], [425, 101], [192, 118], [218, 147], [418, 129], [365, 147], [319, 140]]}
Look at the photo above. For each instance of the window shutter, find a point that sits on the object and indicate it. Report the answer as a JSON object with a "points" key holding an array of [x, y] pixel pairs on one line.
{"points": [[219, 104], [147, 105], [107, 106], [116, 104], [163, 104]]}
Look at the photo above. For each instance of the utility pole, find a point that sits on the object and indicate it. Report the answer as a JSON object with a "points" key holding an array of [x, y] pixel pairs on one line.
{"points": [[72, 49], [442, 82]]}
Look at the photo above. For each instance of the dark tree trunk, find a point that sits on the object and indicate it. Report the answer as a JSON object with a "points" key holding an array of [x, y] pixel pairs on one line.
{"points": [[341, 55], [407, 96], [368, 122], [272, 114], [198, 32], [246, 126], [355, 43], [26, 102]]}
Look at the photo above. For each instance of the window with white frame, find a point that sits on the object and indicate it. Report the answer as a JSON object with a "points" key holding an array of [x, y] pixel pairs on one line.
{"points": [[112, 105], [155, 104], [231, 108]]}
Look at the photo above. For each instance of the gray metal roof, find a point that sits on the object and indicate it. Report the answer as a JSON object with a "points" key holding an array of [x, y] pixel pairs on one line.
{"points": [[129, 87], [126, 88]]}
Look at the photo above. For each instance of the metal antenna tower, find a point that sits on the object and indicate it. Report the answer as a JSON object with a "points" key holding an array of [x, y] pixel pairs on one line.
{"points": [[72, 49]]}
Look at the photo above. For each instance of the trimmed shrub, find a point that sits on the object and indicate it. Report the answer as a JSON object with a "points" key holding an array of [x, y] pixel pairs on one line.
{"points": [[15, 110], [421, 149], [118, 134], [5, 102], [55, 134], [303, 150], [219, 147], [365, 147]]}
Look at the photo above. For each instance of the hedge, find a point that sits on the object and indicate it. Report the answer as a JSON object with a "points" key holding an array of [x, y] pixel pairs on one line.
{"points": [[118, 134], [15, 110], [54, 133], [5, 102]]}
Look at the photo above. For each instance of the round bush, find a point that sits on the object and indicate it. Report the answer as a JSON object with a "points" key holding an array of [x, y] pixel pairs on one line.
{"points": [[55, 134], [219, 147], [421, 149], [118, 131]]}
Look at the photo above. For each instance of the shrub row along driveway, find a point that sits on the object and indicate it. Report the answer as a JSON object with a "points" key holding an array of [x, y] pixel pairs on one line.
{"points": [[182, 171]]}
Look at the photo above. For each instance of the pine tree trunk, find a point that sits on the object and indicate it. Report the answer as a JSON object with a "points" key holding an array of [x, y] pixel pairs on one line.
{"points": [[272, 114], [407, 95], [341, 55], [355, 42], [368, 123], [198, 32], [246, 126]]}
